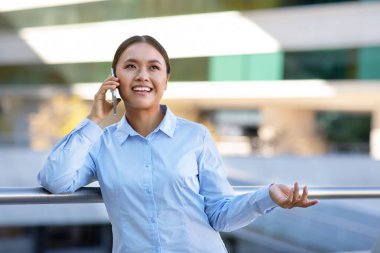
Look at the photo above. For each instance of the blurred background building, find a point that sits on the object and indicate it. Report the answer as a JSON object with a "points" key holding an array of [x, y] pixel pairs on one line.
{"points": [[285, 84]]}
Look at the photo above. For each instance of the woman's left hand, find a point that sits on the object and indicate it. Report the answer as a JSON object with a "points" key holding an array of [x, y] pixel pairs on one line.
{"points": [[287, 197]]}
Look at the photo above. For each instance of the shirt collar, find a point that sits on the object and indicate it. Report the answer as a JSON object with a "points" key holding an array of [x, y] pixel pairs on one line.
{"points": [[167, 126]]}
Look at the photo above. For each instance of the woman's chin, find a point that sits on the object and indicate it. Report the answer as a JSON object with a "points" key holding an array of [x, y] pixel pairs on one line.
{"points": [[141, 106]]}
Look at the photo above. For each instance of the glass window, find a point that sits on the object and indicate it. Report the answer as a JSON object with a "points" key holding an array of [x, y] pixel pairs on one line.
{"points": [[369, 63], [189, 69], [323, 64], [345, 132]]}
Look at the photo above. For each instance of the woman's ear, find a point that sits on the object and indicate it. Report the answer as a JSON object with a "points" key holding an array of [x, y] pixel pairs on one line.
{"points": [[167, 80]]}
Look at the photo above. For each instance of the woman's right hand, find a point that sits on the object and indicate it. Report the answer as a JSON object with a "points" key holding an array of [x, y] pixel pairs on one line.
{"points": [[287, 197], [100, 106]]}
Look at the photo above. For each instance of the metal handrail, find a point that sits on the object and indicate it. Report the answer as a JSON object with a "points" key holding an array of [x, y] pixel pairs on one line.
{"points": [[38, 195]]}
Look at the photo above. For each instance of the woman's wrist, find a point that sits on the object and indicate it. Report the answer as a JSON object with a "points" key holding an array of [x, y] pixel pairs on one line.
{"points": [[97, 120]]}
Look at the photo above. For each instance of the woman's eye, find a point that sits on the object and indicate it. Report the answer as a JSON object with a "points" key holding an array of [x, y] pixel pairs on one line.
{"points": [[154, 67], [130, 66]]}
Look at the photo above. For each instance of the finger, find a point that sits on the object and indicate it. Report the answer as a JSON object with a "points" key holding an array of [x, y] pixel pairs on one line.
{"points": [[305, 193], [108, 85], [288, 200], [291, 195], [310, 203], [305, 202], [113, 78], [296, 195]]}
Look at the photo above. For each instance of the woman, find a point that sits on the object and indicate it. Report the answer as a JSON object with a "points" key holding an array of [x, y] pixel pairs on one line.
{"points": [[161, 177]]}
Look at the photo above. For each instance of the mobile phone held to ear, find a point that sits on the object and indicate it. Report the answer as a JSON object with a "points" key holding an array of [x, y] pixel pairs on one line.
{"points": [[113, 94]]}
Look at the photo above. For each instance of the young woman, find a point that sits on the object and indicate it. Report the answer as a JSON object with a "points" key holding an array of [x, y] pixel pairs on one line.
{"points": [[161, 177]]}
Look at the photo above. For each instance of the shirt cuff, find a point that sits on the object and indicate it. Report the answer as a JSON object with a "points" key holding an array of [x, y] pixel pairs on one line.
{"points": [[266, 203], [90, 130]]}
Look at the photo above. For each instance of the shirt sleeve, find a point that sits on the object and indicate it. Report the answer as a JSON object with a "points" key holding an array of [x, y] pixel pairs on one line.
{"points": [[70, 166], [226, 210]]}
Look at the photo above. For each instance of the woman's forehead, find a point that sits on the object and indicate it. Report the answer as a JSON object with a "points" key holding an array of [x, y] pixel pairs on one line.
{"points": [[142, 51]]}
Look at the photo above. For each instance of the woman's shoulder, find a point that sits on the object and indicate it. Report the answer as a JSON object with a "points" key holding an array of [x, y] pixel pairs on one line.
{"points": [[195, 127]]}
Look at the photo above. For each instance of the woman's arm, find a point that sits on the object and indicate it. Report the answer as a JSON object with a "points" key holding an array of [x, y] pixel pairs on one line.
{"points": [[227, 212], [70, 164]]}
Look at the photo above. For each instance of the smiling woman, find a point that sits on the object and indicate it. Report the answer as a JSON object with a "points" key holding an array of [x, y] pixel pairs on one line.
{"points": [[162, 178]]}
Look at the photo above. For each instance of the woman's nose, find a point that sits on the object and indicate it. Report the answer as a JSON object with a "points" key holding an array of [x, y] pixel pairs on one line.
{"points": [[142, 75]]}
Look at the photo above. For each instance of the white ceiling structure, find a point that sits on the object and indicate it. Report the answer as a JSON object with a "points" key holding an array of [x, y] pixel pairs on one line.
{"points": [[17, 5]]}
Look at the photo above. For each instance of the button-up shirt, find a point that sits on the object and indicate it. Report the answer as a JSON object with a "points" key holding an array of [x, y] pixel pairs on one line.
{"points": [[166, 192]]}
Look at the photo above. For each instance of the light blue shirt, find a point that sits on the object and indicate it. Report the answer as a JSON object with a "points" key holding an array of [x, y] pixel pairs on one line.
{"points": [[166, 192]]}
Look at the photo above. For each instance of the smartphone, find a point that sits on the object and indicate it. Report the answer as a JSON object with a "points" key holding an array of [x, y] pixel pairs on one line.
{"points": [[113, 94]]}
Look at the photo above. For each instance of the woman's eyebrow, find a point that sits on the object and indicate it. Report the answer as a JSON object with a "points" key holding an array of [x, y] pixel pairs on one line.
{"points": [[155, 61], [150, 61]]}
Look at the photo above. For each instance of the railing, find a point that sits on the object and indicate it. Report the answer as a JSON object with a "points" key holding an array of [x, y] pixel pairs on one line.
{"points": [[38, 195]]}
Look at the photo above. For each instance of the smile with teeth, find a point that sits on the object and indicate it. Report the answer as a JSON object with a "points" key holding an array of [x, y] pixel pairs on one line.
{"points": [[142, 89]]}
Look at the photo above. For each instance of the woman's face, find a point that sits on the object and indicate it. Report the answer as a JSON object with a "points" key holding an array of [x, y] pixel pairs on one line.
{"points": [[141, 70]]}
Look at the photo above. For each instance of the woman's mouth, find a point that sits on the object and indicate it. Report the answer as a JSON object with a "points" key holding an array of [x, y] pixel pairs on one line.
{"points": [[141, 89]]}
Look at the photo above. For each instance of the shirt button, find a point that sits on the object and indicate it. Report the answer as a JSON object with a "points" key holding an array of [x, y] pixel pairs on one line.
{"points": [[157, 249], [148, 190], [153, 220]]}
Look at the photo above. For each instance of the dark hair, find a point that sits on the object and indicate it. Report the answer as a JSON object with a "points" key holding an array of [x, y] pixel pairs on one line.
{"points": [[144, 39]]}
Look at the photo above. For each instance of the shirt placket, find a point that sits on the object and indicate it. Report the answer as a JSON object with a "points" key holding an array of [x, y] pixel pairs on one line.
{"points": [[149, 196]]}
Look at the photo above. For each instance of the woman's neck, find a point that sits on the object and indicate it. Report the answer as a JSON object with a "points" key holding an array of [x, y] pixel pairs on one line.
{"points": [[144, 121]]}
